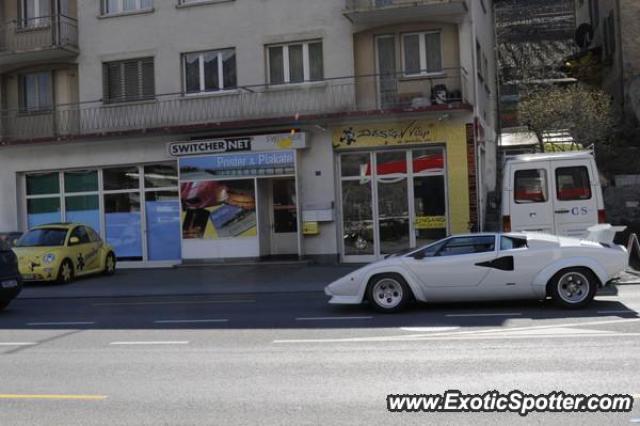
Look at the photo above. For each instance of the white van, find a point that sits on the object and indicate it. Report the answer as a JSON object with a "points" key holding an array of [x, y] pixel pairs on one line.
{"points": [[557, 193]]}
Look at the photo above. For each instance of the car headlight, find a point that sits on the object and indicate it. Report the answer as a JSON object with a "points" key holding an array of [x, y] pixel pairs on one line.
{"points": [[49, 258]]}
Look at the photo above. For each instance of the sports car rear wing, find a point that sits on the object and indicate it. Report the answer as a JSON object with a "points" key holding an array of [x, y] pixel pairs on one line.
{"points": [[604, 233]]}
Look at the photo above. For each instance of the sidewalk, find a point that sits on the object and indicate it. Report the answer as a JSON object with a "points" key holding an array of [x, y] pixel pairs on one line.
{"points": [[196, 281], [207, 280]]}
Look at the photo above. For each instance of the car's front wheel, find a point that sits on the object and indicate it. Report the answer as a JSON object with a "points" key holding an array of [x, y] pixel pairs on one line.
{"points": [[65, 274], [110, 264], [573, 288], [388, 293]]}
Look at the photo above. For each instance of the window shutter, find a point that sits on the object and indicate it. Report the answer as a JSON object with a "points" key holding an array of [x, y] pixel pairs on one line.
{"points": [[113, 82], [148, 79], [131, 81]]}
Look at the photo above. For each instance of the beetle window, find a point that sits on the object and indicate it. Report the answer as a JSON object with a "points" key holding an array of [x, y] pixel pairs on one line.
{"points": [[572, 183], [81, 234], [511, 243], [530, 186], [468, 245]]}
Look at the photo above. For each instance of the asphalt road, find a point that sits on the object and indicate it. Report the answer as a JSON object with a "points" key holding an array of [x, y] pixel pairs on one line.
{"points": [[292, 359]]}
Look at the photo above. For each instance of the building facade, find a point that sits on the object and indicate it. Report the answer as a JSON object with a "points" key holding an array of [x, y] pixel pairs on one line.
{"points": [[337, 130]]}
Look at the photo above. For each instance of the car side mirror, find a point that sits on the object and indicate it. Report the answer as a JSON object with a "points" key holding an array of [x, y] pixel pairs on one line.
{"points": [[73, 241], [15, 242], [419, 255]]}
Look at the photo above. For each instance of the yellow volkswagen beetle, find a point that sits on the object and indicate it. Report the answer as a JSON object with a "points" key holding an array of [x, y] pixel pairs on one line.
{"points": [[62, 251]]}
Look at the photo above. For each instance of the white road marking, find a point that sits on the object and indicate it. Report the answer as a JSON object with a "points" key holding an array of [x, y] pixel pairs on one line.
{"points": [[331, 318], [157, 342], [176, 302], [428, 329], [189, 321], [498, 333], [62, 323], [508, 314], [17, 343]]}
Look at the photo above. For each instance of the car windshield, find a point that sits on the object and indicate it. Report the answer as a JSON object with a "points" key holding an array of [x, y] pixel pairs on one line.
{"points": [[43, 237]]}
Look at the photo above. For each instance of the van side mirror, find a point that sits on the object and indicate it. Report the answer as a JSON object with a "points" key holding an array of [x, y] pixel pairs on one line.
{"points": [[74, 241], [419, 255]]}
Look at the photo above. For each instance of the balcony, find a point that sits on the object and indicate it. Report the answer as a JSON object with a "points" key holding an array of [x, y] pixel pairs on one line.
{"points": [[38, 40], [370, 13], [242, 108]]}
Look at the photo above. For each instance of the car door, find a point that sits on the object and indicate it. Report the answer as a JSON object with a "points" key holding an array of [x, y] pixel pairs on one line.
{"points": [[94, 257], [454, 264], [531, 206], [511, 273], [574, 198], [80, 251]]}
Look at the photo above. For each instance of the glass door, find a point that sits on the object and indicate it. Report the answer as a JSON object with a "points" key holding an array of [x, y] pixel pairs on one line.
{"points": [[392, 201]]}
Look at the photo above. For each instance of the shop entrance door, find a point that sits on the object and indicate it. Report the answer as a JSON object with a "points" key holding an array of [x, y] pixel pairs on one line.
{"points": [[391, 201], [284, 217]]}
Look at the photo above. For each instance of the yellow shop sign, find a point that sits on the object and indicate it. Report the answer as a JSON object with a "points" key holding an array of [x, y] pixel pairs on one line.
{"points": [[394, 133], [431, 222]]}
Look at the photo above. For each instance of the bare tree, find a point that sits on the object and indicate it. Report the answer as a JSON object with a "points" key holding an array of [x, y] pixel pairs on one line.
{"points": [[586, 113]]}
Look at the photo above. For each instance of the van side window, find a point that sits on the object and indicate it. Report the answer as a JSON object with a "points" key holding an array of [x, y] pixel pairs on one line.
{"points": [[572, 183], [511, 243], [530, 186]]}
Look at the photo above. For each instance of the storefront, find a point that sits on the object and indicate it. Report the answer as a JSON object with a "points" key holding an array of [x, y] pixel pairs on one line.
{"points": [[135, 208], [239, 197], [401, 185]]}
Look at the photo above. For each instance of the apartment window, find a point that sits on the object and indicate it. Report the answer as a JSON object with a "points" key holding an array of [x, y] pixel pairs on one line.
{"points": [[422, 53], [479, 59], [36, 92], [295, 62], [209, 71], [34, 13], [131, 80], [110, 7]]}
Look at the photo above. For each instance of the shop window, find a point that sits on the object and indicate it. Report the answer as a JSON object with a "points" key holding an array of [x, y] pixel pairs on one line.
{"points": [[161, 176], [428, 160], [45, 183], [572, 183], [81, 181], [41, 211], [122, 222], [355, 165], [210, 71], [530, 186], [121, 178], [163, 225], [127, 81], [295, 62], [422, 53], [392, 162], [83, 209]]}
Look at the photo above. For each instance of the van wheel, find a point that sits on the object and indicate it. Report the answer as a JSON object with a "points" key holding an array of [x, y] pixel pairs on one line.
{"points": [[388, 293], [573, 288]]}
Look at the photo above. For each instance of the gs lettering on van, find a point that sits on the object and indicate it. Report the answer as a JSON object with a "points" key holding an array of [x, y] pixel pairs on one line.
{"points": [[579, 211]]}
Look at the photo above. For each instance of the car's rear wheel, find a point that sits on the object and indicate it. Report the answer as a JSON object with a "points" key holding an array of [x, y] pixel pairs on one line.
{"points": [[388, 293], [573, 288], [66, 273], [110, 264]]}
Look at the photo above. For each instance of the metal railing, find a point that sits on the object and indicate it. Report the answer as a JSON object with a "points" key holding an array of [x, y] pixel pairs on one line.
{"points": [[379, 4], [38, 33], [289, 101]]}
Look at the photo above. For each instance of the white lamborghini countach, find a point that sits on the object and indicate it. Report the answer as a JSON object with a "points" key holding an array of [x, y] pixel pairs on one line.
{"points": [[484, 266]]}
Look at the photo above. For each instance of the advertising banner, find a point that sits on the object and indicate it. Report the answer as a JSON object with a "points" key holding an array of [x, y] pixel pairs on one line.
{"points": [[247, 143], [271, 163]]}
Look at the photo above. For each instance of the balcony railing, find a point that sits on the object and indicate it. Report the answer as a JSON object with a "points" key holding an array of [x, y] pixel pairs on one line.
{"points": [[380, 4], [284, 103], [45, 32]]}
